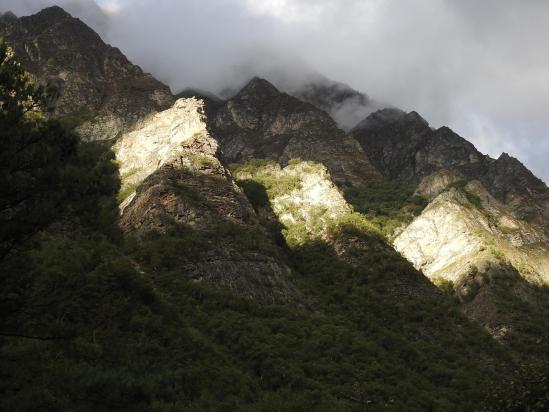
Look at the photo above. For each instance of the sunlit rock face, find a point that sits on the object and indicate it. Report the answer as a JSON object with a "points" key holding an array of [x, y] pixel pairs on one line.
{"points": [[99, 88], [493, 259], [464, 224], [184, 189], [307, 197], [159, 140], [485, 230], [261, 122], [442, 240]]}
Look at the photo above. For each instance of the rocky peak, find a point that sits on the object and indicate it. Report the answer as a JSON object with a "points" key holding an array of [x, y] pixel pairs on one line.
{"points": [[327, 96], [511, 163], [257, 89], [51, 14], [7, 18], [512, 183], [47, 18], [95, 80], [403, 147], [262, 122], [211, 101], [390, 117]]}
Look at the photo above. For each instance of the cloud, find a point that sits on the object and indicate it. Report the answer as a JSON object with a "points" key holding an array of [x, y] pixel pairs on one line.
{"points": [[479, 67], [88, 10]]}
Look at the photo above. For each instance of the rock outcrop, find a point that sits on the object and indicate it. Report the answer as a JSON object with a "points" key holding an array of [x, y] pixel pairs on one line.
{"points": [[310, 208], [262, 122], [463, 225], [403, 147], [493, 260], [157, 141], [484, 232], [183, 190], [100, 91]]}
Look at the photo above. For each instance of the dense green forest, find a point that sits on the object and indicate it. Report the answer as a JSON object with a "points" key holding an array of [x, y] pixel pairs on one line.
{"points": [[93, 321]]}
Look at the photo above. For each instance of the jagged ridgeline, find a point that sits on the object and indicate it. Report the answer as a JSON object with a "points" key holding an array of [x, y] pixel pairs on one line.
{"points": [[193, 254]]}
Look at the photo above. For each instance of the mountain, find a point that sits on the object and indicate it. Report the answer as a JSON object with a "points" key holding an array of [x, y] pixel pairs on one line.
{"points": [[344, 104], [404, 148], [7, 18], [99, 89], [484, 230], [172, 163], [250, 254], [262, 122]]}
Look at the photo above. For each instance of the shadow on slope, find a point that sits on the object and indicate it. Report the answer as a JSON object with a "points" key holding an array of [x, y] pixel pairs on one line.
{"points": [[96, 323], [419, 348]]}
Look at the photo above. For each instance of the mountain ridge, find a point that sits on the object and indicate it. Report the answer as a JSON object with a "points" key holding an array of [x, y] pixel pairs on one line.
{"points": [[262, 257], [95, 81]]}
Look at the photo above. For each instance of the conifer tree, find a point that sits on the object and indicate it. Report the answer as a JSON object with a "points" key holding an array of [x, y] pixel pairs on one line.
{"points": [[33, 155]]}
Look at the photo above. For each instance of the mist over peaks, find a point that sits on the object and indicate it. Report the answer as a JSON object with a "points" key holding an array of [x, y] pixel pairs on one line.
{"points": [[474, 67]]}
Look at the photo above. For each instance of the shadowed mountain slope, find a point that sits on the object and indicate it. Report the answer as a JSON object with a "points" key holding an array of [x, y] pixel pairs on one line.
{"points": [[484, 233], [403, 147], [261, 122], [94, 80]]}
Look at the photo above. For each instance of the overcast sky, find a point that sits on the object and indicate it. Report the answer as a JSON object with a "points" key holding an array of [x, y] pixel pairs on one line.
{"points": [[480, 67]]}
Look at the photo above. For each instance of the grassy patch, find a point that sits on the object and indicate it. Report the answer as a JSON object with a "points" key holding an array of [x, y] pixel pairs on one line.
{"points": [[126, 192], [388, 205], [267, 174], [73, 120], [201, 160], [472, 198]]}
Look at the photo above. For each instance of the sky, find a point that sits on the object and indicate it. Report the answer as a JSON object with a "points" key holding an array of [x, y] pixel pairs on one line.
{"points": [[479, 67]]}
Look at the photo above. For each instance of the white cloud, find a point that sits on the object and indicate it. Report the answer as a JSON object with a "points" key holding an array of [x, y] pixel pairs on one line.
{"points": [[111, 6]]}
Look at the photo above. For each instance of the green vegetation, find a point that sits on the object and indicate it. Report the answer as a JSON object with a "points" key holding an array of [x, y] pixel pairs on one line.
{"points": [[508, 230], [474, 200], [71, 121], [497, 253], [388, 205], [201, 160], [127, 189], [447, 286], [530, 325], [251, 167], [30, 182], [267, 174], [458, 184], [471, 197], [126, 192], [255, 192]]}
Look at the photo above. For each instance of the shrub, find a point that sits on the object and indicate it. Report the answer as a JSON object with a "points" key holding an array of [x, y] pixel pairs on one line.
{"points": [[388, 205]]}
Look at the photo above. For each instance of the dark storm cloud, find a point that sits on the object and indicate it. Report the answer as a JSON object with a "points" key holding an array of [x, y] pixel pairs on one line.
{"points": [[481, 67]]}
